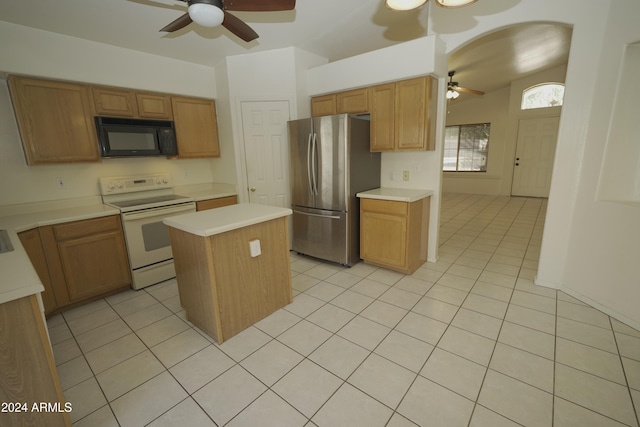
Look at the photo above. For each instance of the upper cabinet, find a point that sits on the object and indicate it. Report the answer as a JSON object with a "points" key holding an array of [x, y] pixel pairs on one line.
{"points": [[351, 101], [128, 103], [196, 127], [55, 120], [402, 115], [323, 105], [401, 112]]}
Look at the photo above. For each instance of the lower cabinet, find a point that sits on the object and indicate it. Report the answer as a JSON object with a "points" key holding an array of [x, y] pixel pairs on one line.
{"points": [[85, 259], [203, 205], [32, 244], [394, 234]]}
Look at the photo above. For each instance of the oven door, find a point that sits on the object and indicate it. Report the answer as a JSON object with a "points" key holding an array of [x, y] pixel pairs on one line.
{"points": [[147, 237]]}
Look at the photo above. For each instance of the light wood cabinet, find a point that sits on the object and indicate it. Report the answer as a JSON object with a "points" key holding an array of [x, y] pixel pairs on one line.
{"points": [[382, 109], [32, 244], [394, 234], [55, 120], [402, 115], [203, 205], [114, 102], [196, 127], [324, 105], [154, 106], [86, 259], [28, 371], [129, 103], [352, 101]]}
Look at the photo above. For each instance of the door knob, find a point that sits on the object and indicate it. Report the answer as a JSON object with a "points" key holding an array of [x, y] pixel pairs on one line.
{"points": [[253, 189]]}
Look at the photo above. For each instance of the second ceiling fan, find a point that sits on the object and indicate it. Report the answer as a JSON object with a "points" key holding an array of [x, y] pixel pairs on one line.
{"points": [[453, 90], [211, 13]]}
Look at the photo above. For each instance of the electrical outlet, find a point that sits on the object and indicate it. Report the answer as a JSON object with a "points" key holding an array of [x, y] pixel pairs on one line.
{"points": [[405, 176], [61, 183]]}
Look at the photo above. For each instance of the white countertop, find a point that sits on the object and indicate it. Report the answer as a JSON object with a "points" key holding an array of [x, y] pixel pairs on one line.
{"points": [[396, 194], [227, 218], [18, 278]]}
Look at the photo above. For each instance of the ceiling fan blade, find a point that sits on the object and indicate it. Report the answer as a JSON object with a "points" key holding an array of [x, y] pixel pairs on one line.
{"points": [[465, 90], [259, 5], [238, 27], [179, 23]]}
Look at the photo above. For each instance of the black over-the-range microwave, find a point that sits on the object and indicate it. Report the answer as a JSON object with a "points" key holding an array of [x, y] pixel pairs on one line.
{"points": [[122, 137]]}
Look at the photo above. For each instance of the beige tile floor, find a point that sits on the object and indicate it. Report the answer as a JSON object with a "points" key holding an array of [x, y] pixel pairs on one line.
{"points": [[466, 341]]}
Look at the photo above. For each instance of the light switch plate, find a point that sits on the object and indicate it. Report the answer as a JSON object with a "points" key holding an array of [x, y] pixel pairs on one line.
{"points": [[254, 248]]}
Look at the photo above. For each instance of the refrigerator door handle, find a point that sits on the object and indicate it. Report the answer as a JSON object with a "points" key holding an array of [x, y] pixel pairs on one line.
{"points": [[309, 182], [318, 215], [314, 174]]}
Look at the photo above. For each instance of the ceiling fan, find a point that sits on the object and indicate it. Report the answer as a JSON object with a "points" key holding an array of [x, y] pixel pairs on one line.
{"points": [[453, 90], [211, 13]]}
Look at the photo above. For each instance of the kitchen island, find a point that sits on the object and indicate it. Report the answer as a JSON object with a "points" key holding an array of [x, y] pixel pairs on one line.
{"points": [[232, 266]]}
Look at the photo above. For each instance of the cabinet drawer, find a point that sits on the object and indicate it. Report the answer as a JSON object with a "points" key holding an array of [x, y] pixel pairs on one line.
{"points": [[75, 229], [384, 206]]}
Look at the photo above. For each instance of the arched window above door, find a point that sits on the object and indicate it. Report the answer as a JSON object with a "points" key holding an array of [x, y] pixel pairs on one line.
{"points": [[542, 96]]}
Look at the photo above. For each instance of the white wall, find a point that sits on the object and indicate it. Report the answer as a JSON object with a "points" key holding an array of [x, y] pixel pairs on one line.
{"points": [[43, 54], [501, 108], [589, 248], [418, 58]]}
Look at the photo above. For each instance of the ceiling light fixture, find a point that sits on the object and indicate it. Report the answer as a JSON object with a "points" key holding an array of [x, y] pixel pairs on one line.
{"points": [[404, 4], [207, 13], [414, 4], [454, 3], [452, 94]]}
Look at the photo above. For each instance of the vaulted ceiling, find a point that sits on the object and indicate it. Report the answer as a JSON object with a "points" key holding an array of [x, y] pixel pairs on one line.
{"points": [[334, 29]]}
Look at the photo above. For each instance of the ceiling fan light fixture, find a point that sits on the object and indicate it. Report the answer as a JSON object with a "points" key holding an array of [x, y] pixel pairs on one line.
{"points": [[207, 15], [452, 94], [404, 4], [454, 3]]}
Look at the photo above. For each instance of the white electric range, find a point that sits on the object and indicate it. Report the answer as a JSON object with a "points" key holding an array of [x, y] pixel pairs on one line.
{"points": [[143, 201]]}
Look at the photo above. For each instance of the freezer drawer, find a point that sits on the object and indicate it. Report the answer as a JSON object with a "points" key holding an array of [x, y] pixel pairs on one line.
{"points": [[323, 234]]}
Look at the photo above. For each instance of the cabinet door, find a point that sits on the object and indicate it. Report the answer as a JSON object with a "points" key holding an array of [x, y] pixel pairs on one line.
{"points": [[323, 105], [114, 102], [55, 120], [353, 101], [33, 246], [411, 114], [196, 127], [383, 239], [381, 106], [154, 106], [203, 205], [94, 264]]}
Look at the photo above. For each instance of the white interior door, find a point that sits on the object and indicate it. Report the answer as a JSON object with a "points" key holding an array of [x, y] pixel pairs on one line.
{"points": [[264, 127], [535, 152]]}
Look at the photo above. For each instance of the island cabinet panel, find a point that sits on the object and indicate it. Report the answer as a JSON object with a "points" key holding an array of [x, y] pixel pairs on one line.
{"points": [[196, 127], [55, 120], [224, 289], [203, 205], [394, 234], [27, 369]]}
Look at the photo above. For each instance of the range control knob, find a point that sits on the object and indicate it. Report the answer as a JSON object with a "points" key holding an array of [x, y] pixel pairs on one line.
{"points": [[111, 185], [158, 180], [165, 180], [120, 184]]}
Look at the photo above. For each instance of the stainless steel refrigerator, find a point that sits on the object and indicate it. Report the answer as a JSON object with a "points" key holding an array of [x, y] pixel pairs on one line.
{"points": [[330, 163]]}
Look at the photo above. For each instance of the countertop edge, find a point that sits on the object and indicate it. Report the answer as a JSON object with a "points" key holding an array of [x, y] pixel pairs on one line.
{"points": [[407, 195]]}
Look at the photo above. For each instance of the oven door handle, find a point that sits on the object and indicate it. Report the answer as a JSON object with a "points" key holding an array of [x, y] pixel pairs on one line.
{"points": [[149, 213]]}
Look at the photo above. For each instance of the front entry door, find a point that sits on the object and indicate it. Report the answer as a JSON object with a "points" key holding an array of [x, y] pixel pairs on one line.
{"points": [[535, 152], [264, 127]]}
